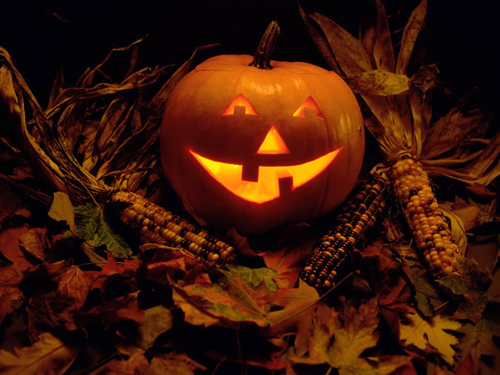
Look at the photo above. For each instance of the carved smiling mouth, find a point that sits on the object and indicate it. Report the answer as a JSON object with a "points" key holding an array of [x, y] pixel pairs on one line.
{"points": [[267, 186]]}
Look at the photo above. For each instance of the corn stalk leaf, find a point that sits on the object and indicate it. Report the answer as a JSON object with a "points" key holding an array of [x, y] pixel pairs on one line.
{"points": [[410, 34], [348, 51], [378, 82], [383, 52]]}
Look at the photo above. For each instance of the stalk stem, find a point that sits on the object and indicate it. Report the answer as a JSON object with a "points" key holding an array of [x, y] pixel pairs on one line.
{"points": [[262, 57]]}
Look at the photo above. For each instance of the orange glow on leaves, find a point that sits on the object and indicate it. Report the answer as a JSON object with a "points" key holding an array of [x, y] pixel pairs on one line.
{"points": [[238, 102], [273, 143], [310, 104], [267, 186]]}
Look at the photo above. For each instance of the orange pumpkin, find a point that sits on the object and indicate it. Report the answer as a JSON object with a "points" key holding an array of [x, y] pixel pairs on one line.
{"points": [[256, 149]]}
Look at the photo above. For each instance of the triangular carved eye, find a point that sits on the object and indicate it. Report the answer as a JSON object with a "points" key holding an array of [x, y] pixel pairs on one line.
{"points": [[239, 105], [308, 108]]}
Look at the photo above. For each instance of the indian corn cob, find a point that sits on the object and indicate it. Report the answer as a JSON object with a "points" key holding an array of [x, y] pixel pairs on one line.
{"points": [[327, 263], [427, 222], [157, 225]]}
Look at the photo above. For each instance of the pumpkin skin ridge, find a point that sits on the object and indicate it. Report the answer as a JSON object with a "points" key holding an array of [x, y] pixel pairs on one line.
{"points": [[298, 128]]}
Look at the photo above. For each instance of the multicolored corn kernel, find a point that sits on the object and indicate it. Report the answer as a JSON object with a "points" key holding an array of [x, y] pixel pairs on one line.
{"points": [[155, 224], [330, 256], [430, 229]]}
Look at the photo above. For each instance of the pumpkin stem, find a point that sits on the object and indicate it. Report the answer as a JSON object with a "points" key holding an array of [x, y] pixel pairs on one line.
{"points": [[262, 57]]}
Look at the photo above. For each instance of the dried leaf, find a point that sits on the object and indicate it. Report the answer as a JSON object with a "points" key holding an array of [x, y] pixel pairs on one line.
{"points": [[136, 364], [48, 356], [254, 276], [74, 285], [174, 364], [410, 34], [319, 38], [92, 225], [472, 286], [62, 210], [348, 51], [383, 52], [378, 82], [157, 320], [457, 229], [7, 296], [478, 338], [35, 242], [463, 121], [425, 334], [351, 339]]}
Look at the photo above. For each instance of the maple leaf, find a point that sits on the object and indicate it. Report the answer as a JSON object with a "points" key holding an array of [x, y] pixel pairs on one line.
{"points": [[428, 334], [254, 276], [350, 340], [92, 225], [47, 356], [296, 304], [471, 287], [478, 340], [121, 308], [289, 260], [234, 304]]}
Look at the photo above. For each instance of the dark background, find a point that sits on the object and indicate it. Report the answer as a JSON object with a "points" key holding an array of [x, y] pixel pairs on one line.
{"points": [[43, 36]]}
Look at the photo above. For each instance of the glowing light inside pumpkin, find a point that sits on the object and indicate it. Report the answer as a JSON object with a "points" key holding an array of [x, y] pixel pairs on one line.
{"points": [[267, 186], [308, 106], [273, 144], [239, 105]]}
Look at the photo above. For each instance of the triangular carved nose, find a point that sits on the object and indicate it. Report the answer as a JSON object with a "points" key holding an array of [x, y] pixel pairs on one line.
{"points": [[273, 144]]}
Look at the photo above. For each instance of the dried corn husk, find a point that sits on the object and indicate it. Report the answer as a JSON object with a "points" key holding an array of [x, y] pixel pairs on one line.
{"points": [[82, 143]]}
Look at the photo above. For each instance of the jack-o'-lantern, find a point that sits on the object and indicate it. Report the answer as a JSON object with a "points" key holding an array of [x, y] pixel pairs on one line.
{"points": [[255, 148]]}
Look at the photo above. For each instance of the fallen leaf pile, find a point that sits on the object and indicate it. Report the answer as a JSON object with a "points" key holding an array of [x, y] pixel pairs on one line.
{"points": [[79, 295]]}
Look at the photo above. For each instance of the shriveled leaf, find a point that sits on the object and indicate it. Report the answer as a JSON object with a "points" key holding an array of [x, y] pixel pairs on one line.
{"points": [[47, 356], [410, 34], [378, 82], [62, 210], [431, 333], [174, 364]]}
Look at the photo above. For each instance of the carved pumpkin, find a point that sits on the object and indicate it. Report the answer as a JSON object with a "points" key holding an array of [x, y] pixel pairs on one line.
{"points": [[255, 149]]}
